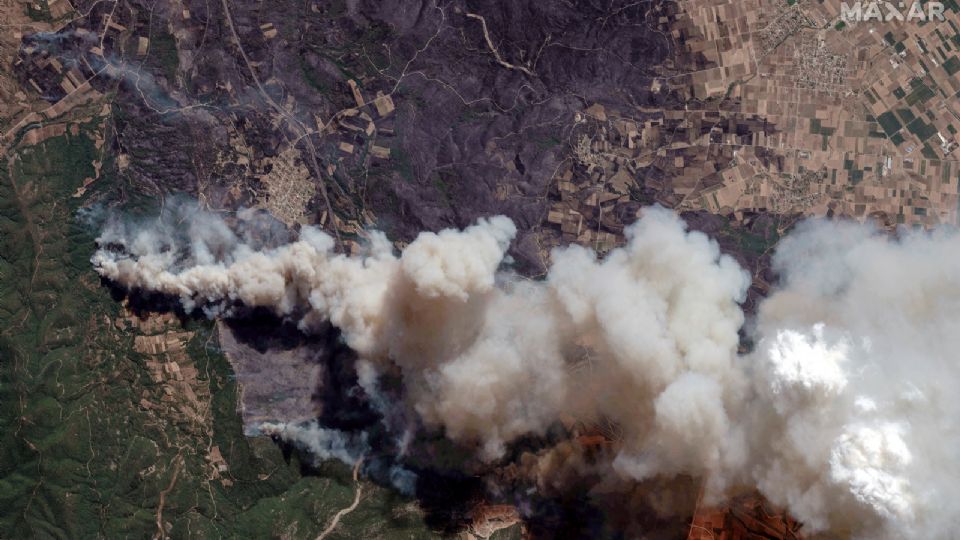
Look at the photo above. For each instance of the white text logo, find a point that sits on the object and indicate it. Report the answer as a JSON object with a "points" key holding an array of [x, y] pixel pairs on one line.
{"points": [[888, 11]]}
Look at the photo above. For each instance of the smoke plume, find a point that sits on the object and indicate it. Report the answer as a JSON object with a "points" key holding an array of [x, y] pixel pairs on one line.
{"points": [[857, 368], [322, 443], [843, 413]]}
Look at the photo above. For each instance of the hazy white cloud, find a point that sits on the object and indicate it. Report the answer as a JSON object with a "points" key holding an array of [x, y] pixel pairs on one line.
{"points": [[857, 359]]}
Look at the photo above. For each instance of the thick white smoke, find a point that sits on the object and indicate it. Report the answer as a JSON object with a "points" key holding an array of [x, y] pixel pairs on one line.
{"points": [[322, 443], [857, 368], [485, 355], [843, 413]]}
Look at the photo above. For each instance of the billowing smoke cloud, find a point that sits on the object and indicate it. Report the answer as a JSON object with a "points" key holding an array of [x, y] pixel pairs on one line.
{"points": [[843, 413], [488, 356], [858, 368]]}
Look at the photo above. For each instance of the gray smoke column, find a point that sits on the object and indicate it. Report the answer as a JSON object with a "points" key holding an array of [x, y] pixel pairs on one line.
{"points": [[322, 443], [846, 412]]}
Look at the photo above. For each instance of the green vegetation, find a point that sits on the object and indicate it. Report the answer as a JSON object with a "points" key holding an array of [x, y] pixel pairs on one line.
{"points": [[403, 164], [39, 11], [313, 77], [889, 123], [470, 115], [955, 38], [921, 129], [752, 242], [443, 182], [81, 456], [943, 55], [547, 143], [920, 94], [347, 55], [943, 39], [163, 54], [906, 115], [928, 152], [333, 8], [952, 65]]}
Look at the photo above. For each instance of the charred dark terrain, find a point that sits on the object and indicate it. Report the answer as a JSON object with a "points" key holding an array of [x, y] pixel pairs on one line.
{"points": [[404, 116]]}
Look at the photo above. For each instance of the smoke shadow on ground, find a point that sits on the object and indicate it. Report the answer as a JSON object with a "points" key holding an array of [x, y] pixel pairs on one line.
{"points": [[570, 518], [445, 494], [143, 303], [450, 482], [337, 395], [264, 331], [447, 499]]}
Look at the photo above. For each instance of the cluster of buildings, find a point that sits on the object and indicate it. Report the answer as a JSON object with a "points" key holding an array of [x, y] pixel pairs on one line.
{"points": [[864, 116]]}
